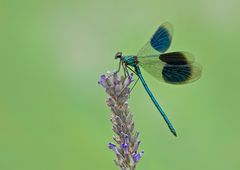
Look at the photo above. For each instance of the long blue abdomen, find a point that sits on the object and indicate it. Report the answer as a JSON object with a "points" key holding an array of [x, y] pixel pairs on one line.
{"points": [[155, 101]]}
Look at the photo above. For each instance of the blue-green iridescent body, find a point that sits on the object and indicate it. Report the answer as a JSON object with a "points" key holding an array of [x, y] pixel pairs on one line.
{"points": [[172, 68], [132, 61], [129, 60]]}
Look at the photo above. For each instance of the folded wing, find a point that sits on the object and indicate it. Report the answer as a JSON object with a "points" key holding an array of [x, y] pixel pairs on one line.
{"points": [[159, 42], [173, 68]]}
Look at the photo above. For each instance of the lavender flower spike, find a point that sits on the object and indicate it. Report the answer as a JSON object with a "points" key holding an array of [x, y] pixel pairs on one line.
{"points": [[125, 137]]}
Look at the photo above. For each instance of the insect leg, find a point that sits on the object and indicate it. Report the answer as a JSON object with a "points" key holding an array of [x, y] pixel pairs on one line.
{"points": [[136, 80], [134, 85], [119, 66], [124, 70], [132, 70]]}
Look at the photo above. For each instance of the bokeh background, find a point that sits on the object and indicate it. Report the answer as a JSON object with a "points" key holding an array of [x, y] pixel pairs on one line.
{"points": [[53, 114]]}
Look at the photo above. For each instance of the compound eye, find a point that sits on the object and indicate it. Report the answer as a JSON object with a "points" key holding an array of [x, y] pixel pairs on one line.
{"points": [[118, 55]]}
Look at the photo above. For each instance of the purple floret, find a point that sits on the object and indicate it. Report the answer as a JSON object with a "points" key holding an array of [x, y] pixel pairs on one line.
{"points": [[136, 156], [118, 90]]}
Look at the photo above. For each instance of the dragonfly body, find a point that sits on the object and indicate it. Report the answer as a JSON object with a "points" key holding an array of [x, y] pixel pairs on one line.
{"points": [[155, 101], [133, 62], [172, 68], [129, 60]]}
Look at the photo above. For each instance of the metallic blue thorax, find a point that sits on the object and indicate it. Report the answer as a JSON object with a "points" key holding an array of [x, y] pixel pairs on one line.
{"points": [[129, 60]]}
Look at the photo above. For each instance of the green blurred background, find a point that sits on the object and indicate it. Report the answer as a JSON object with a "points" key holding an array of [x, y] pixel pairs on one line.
{"points": [[53, 114]]}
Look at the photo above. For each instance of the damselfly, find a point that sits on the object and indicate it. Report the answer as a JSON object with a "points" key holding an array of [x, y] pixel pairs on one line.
{"points": [[173, 67]]}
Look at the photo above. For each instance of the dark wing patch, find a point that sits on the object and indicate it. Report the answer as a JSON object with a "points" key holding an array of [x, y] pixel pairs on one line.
{"points": [[162, 38], [177, 58], [176, 74]]}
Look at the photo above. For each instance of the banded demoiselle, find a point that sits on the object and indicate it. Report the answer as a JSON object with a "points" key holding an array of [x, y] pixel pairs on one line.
{"points": [[173, 67]]}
